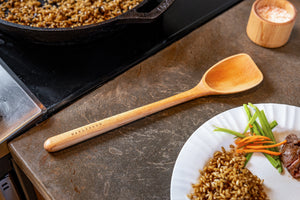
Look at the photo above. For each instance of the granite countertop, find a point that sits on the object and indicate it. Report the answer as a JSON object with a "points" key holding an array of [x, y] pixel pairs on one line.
{"points": [[136, 160]]}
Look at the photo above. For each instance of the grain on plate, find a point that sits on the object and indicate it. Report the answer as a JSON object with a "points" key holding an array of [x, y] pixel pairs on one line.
{"points": [[225, 177]]}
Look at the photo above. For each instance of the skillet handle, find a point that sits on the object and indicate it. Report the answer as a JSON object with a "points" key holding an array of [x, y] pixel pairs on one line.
{"points": [[136, 15]]}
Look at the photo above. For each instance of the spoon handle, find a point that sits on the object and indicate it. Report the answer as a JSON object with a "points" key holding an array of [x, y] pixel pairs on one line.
{"points": [[80, 134]]}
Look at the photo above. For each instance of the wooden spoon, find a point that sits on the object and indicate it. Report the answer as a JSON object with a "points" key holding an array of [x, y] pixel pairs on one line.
{"points": [[231, 75]]}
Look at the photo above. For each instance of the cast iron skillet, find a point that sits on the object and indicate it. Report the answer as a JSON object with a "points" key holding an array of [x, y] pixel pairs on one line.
{"points": [[61, 36]]}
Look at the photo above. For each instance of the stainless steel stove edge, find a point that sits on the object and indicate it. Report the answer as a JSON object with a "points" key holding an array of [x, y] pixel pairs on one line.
{"points": [[19, 108]]}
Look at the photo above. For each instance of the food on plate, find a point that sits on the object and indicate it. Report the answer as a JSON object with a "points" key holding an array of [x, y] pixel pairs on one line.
{"points": [[257, 143], [257, 137], [247, 131], [226, 177], [62, 13], [291, 155]]}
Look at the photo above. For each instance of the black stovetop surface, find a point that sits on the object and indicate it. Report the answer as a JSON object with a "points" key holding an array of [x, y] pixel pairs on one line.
{"points": [[59, 75]]}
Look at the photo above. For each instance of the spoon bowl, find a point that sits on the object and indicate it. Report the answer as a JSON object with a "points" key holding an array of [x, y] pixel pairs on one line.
{"points": [[231, 75]]}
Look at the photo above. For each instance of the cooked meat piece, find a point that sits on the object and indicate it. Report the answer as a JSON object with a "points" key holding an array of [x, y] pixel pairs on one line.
{"points": [[292, 138], [290, 155], [294, 168], [289, 150]]}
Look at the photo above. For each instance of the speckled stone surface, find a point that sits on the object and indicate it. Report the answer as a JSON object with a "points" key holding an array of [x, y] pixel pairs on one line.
{"points": [[136, 160]]}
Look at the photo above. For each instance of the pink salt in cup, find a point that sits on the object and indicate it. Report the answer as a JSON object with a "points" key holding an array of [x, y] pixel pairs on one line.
{"points": [[271, 22]]}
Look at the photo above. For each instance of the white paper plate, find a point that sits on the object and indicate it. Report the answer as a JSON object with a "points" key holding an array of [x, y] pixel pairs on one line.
{"points": [[204, 142]]}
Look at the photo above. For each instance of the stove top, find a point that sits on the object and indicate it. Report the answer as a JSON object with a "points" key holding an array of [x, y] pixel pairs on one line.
{"points": [[58, 75]]}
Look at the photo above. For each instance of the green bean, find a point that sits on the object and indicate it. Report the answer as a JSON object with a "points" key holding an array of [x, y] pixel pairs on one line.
{"points": [[229, 131], [248, 112], [267, 131], [248, 156], [273, 124], [264, 129], [249, 118]]}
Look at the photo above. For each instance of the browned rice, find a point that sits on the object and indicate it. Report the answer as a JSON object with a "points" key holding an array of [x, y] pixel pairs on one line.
{"points": [[62, 13], [225, 177]]}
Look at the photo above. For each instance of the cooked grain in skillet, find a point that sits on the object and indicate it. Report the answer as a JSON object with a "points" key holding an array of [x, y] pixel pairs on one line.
{"points": [[63, 13]]}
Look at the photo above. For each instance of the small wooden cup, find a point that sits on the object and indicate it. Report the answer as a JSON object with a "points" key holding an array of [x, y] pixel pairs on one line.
{"points": [[267, 33]]}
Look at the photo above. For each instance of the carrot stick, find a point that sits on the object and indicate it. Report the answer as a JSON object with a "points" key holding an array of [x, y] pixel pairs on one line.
{"points": [[265, 146], [253, 138], [259, 143], [258, 150], [262, 142], [255, 142]]}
